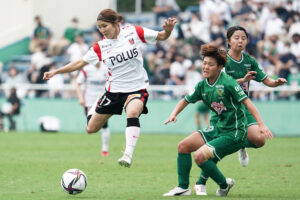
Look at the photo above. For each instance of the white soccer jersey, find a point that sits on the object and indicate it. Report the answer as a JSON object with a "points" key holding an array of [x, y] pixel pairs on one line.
{"points": [[124, 59], [94, 80]]}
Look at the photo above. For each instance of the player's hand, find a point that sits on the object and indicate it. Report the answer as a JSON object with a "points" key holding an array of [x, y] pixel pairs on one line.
{"points": [[249, 76], [48, 75], [264, 130], [172, 118], [169, 24], [280, 81]]}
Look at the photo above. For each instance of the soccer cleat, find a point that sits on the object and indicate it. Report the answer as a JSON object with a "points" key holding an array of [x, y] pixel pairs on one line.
{"points": [[125, 161], [243, 157], [178, 191], [200, 189], [223, 192], [104, 153]]}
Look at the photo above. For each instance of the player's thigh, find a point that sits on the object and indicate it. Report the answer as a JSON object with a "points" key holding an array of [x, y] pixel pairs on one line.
{"points": [[97, 121], [134, 108], [191, 143]]}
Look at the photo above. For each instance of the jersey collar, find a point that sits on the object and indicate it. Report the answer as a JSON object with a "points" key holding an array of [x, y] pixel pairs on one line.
{"points": [[237, 61], [215, 81]]}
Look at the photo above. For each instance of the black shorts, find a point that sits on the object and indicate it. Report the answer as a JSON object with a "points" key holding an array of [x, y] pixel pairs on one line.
{"points": [[113, 103]]}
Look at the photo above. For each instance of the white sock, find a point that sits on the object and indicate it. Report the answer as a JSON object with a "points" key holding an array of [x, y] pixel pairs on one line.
{"points": [[132, 135], [105, 138]]}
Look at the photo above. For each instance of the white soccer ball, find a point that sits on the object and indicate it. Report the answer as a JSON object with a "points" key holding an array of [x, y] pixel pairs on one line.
{"points": [[74, 181]]}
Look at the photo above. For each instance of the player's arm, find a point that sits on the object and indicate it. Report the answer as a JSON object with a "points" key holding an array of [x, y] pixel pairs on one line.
{"points": [[79, 94], [179, 107], [249, 76], [73, 66], [262, 128], [168, 27], [274, 83]]}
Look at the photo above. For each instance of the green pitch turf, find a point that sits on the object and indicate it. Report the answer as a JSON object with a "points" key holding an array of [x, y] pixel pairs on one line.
{"points": [[31, 165]]}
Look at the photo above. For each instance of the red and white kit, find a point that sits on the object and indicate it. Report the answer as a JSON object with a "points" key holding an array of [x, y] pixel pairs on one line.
{"points": [[94, 80], [124, 59]]}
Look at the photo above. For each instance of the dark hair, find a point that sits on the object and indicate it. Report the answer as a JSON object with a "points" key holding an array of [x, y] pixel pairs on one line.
{"points": [[109, 15], [232, 29], [215, 52]]}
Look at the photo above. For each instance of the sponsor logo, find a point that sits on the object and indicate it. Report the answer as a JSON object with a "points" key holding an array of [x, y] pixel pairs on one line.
{"points": [[124, 56], [106, 45], [128, 35], [218, 107]]}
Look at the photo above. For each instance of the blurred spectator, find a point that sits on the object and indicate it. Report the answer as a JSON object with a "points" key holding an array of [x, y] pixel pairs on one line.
{"points": [[78, 48], [9, 109], [178, 70], [295, 48], [274, 25], [57, 47], [165, 8], [41, 36], [294, 81], [55, 84]]}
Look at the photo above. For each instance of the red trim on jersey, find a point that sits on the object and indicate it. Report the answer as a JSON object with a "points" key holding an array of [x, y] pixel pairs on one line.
{"points": [[140, 32], [84, 73], [109, 75], [97, 50]]}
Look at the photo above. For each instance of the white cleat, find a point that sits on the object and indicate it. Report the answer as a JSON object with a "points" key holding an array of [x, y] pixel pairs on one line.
{"points": [[200, 190], [223, 192], [243, 157], [178, 191], [125, 161]]}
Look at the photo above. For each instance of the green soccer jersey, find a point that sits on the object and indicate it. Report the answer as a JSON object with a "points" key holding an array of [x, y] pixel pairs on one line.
{"points": [[238, 69], [223, 98]]}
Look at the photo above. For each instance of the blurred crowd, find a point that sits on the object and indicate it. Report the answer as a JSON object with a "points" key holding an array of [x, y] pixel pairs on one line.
{"points": [[274, 41]]}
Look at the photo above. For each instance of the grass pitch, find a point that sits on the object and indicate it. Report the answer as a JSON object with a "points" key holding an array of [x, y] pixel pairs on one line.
{"points": [[31, 165]]}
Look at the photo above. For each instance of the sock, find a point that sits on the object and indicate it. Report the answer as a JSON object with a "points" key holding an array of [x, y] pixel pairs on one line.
{"points": [[249, 144], [184, 165], [203, 176], [202, 179], [132, 134], [105, 139], [211, 169]]}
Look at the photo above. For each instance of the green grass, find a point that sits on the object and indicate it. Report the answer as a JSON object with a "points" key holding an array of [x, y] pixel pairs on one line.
{"points": [[31, 165]]}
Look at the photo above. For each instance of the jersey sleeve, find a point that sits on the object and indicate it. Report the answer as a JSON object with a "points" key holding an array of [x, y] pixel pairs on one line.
{"points": [[261, 75], [236, 91], [81, 77], [93, 56], [195, 95], [146, 35]]}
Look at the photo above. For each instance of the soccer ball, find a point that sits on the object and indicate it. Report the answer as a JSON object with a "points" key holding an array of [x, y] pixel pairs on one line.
{"points": [[73, 181]]}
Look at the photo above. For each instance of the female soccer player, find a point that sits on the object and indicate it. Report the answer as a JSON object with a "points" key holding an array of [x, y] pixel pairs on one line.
{"points": [[224, 96], [243, 68], [121, 50], [93, 77]]}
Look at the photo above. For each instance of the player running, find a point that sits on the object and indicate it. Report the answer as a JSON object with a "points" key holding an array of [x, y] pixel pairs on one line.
{"points": [[93, 77], [121, 51], [227, 100]]}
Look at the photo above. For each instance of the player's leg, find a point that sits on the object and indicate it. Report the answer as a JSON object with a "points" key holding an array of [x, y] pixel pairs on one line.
{"points": [[105, 135], [133, 108], [184, 163], [96, 122]]}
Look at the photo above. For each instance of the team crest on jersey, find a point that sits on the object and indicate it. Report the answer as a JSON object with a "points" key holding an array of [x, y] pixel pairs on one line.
{"points": [[131, 41], [220, 89], [218, 107]]}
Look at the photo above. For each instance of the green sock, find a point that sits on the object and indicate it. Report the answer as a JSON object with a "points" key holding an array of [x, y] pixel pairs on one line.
{"points": [[202, 179], [203, 176], [210, 168], [249, 144], [184, 165]]}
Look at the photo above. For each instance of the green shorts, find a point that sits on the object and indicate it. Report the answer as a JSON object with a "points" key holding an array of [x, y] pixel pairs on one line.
{"points": [[250, 119], [202, 108], [223, 144]]}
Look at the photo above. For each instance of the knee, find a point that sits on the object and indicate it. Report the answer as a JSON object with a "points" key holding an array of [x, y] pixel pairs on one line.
{"points": [[199, 157], [183, 147], [90, 130], [261, 142]]}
